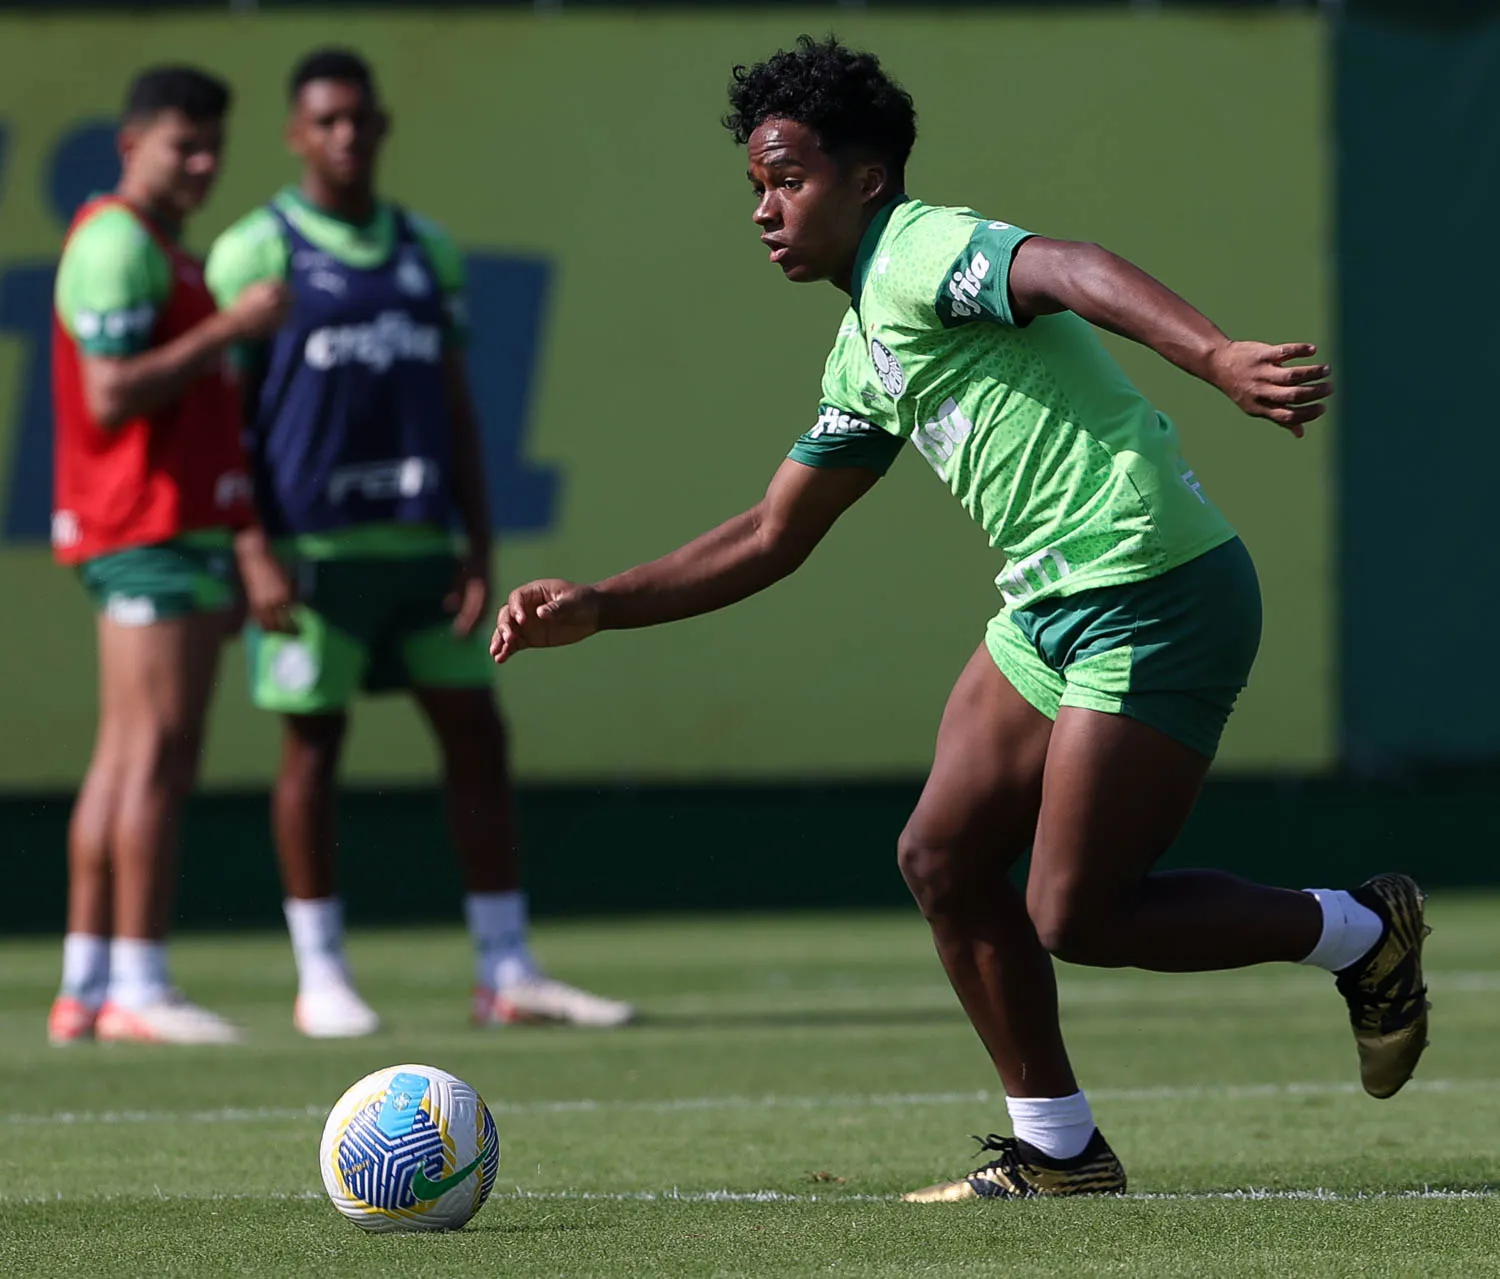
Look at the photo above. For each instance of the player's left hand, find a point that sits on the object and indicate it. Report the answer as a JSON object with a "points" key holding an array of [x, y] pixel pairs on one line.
{"points": [[469, 599], [1259, 378]]}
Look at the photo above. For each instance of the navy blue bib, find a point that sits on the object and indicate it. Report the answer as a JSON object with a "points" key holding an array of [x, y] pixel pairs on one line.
{"points": [[351, 424]]}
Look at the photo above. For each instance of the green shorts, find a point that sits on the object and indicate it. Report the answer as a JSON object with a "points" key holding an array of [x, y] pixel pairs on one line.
{"points": [[190, 574], [1173, 651], [374, 624]]}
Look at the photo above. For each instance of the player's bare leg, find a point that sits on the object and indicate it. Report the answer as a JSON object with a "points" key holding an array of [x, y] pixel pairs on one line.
{"points": [[306, 828], [155, 685], [302, 805], [90, 920], [90, 910], [476, 785], [509, 986], [1116, 795], [975, 819]]}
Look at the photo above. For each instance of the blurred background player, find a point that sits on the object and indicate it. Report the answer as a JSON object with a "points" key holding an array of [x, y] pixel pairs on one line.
{"points": [[150, 482], [365, 451]]}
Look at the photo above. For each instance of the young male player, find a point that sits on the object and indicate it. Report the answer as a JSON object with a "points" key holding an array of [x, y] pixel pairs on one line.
{"points": [[365, 452], [1084, 724], [150, 481]]}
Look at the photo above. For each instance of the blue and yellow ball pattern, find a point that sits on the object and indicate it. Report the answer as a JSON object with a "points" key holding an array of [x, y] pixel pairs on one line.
{"points": [[410, 1148]]}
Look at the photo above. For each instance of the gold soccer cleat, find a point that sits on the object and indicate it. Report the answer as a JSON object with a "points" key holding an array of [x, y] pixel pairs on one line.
{"points": [[1385, 993], [1022, 1173]]}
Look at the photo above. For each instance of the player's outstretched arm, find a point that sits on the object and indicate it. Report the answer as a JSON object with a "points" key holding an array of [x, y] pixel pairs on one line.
{"points": [[118, 389], [725, 565], [1048, 276]]}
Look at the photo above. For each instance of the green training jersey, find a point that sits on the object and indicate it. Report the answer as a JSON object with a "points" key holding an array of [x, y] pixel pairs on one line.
{"points": [[254, 249], [111, 284], [1036, 430]]}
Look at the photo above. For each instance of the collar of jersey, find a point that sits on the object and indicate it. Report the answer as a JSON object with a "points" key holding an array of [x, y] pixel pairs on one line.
{"points": [[867, 244], [323, 228], [166, 232]]}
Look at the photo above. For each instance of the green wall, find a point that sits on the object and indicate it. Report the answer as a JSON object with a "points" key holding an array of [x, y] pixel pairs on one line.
{"points": [[1418, 207], [606, 849], [674, 367]]}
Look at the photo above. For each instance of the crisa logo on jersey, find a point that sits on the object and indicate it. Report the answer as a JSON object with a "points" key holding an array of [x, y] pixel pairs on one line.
{"points": [[392, 336]]}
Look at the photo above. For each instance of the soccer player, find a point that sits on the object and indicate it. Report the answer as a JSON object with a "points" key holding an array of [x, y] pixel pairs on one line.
{"points": [[365, 453], [1085, 721], [151, 482]]}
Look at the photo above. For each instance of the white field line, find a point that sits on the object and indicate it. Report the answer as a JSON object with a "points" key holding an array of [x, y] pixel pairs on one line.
{"points": [[676, 1105], [1250, 1195], [778, 1196]]}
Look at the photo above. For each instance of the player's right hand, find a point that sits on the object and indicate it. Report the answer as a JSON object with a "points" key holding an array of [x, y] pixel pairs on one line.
{"points": [[544, 614], [270, 597], [259, 311]]}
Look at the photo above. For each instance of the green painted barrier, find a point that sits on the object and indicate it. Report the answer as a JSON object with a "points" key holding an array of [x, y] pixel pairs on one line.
{"points": [[627, 849], [1419, 199]]}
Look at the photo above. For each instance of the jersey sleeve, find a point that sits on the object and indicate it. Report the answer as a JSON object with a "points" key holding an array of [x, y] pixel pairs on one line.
{"points": [[841, 439], [251, 250], [112, 283], [845, 433], [447, 261], [976, 285]]}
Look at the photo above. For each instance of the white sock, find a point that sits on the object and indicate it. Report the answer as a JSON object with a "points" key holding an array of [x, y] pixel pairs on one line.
{"points": [[1350, 931], [1060, 1127], [497, 923], [316, 925], [85, 974], [137, 972]]}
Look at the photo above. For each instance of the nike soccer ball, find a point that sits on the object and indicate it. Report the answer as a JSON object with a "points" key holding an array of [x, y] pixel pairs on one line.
{"points": [[409, 1148]]}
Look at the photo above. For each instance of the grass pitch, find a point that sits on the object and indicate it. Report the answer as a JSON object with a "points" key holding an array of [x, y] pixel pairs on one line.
{"points": [[789, 1078]]}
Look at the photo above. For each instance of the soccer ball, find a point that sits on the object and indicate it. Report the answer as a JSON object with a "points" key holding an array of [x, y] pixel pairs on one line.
{"points": [[409, 1148]]}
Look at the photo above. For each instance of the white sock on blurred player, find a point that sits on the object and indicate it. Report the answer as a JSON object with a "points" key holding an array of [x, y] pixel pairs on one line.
{"points": [[316, 925], [497, 923], [1350, 930], [85, 974], [137, 973], [1060, 1127]]}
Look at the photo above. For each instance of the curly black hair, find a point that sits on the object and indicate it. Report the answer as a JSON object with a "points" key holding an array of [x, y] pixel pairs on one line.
{"points": [[838, 92]]}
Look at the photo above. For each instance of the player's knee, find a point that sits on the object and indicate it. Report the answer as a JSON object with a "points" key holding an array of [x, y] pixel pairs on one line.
{"points": [[310, 752], [164, 757], [473, 742], [1070, 930], [930, 870], [467, 721]]}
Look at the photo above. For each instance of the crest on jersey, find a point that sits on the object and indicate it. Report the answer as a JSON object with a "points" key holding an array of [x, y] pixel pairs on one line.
{"points": [[294, 669], [411, 277], [892, 375]]}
